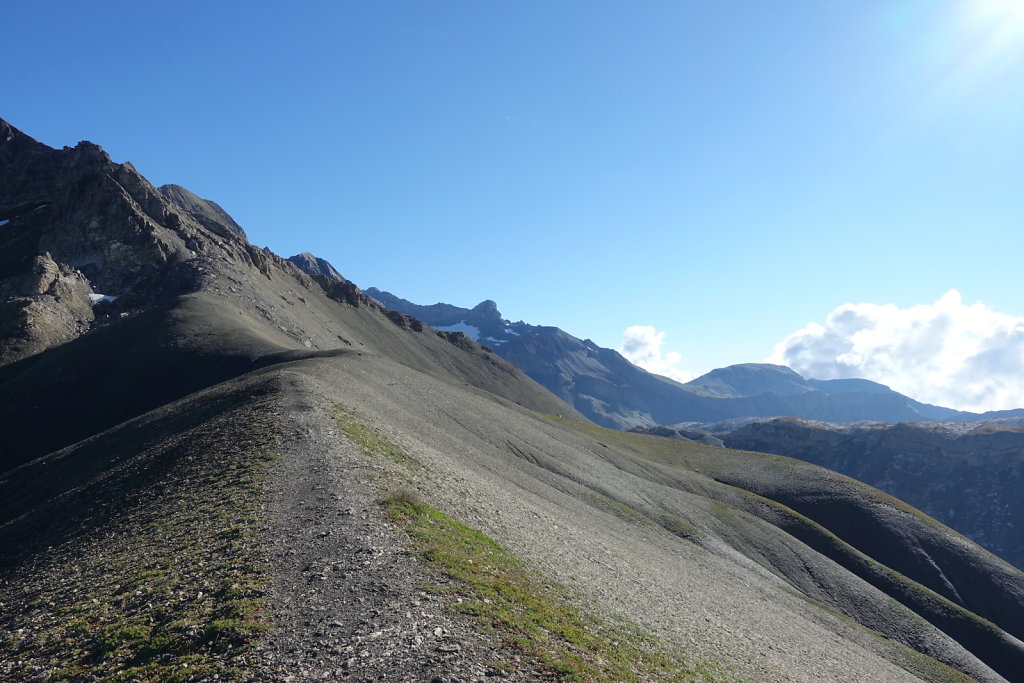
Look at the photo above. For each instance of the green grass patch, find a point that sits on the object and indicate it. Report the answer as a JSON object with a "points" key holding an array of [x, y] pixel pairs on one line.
{"points": [[508, 601], [371, 441]]}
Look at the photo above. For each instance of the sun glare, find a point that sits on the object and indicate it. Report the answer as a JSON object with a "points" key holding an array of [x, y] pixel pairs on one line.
{"points": [[996, 30]]}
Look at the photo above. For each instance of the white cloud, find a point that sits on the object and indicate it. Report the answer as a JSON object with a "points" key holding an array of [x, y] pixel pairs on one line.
{"points": [[946, 353], [641, 345]]}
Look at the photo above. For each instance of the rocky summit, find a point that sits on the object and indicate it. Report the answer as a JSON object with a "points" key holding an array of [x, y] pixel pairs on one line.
{"points": [[316, 266], [205, 211], [217, 466]]}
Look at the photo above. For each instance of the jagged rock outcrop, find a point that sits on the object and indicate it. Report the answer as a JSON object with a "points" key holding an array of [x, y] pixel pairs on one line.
{"points": [[50, 304], [210, 214], [312, 265]]}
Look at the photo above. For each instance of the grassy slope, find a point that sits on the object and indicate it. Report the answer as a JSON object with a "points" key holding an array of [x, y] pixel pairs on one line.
{"points": [[159, 577], [505, 599]]}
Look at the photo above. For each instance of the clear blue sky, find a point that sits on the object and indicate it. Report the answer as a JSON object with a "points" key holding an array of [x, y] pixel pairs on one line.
{"points": [[723, 171]]}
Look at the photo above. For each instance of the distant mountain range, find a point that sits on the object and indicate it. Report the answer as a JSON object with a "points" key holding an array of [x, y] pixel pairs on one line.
{"points": [[611, 391]]}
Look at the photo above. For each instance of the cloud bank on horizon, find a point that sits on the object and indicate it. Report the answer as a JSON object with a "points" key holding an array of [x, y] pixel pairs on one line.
{"points": [[642, 346], [946, 353]]}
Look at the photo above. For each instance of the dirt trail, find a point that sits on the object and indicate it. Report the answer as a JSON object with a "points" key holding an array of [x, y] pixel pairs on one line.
{"points": [[346, 598]]}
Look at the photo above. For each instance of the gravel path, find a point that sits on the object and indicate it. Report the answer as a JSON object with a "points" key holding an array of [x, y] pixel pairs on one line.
{"points": [[346, 597]]}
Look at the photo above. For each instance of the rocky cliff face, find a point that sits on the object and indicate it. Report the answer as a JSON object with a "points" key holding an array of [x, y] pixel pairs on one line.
{"points": [[967, 476]]}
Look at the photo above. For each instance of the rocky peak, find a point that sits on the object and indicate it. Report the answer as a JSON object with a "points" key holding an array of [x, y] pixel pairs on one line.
{"points": [[751, 379], [103, 223], [13, 140], [314, 265], [207, 212], [486, 310]]}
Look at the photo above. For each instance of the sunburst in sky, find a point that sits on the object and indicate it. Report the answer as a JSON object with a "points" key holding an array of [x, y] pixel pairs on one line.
{"points": [[985, 47]]}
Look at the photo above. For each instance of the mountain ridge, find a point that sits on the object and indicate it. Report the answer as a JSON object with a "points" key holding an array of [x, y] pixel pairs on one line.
{"points": [[182, 295], [613, 392]]}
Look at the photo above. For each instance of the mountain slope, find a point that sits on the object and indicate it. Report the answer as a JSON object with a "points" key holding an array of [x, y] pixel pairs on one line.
{"points": [[733, 569], [750, 379], [755, 379], [749, 565], [191, 307], [975, 474]]}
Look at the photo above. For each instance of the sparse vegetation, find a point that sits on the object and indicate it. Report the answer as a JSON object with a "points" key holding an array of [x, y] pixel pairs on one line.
{"points": [[371, 441], [917, 663], [172, 591], [507, 601], [620, 510]]}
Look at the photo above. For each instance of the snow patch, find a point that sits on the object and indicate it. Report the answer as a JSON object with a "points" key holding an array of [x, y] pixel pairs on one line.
{"points": [[97, 298], [494, 341], [40, 207], [4, 222], [470, 331], [511, 331]]}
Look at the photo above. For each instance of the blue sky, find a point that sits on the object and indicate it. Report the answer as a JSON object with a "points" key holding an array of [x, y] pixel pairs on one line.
{"points": [[723, 172]]}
